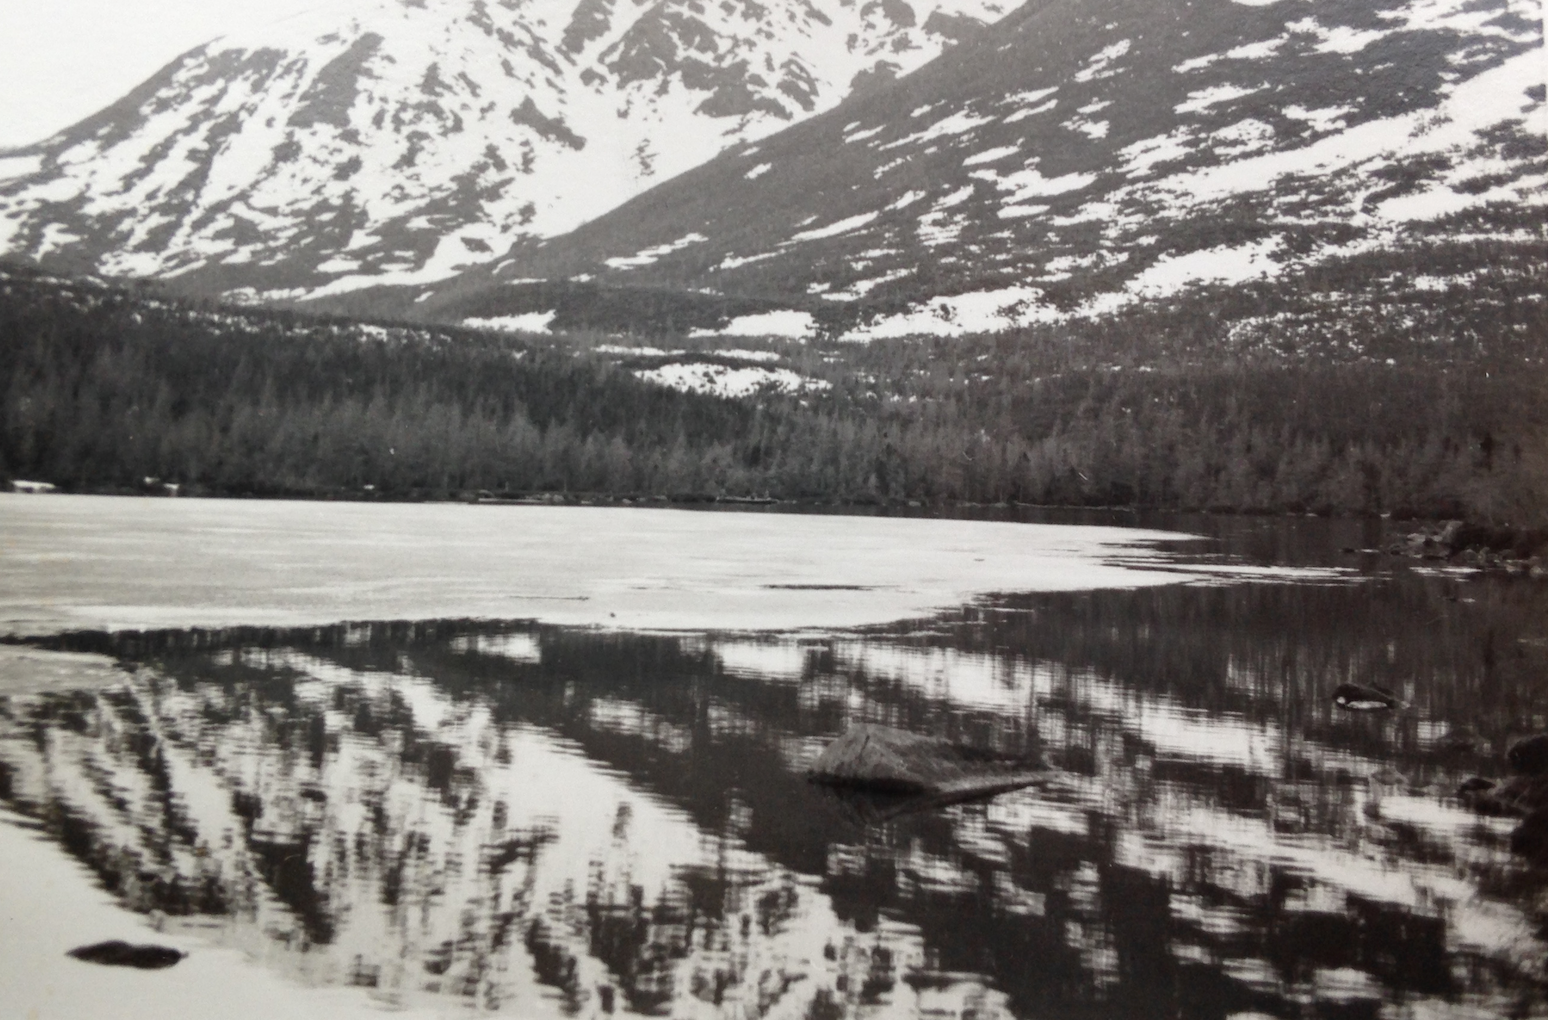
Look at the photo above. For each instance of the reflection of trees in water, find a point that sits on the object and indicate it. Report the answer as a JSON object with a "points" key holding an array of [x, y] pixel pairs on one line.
{"points": [[1223, 841]]}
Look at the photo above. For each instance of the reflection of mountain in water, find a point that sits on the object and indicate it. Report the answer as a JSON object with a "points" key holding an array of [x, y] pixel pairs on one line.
{"points": [[547, 821]]}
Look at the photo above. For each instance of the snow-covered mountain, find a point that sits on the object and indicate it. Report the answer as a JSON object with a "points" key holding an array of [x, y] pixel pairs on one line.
{"points": [[1090, 154], [399, 141]]}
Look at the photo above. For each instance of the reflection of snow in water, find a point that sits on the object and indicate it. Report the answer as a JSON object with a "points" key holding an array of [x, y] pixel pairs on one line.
{"points": [[537, 820], [516, 856]]}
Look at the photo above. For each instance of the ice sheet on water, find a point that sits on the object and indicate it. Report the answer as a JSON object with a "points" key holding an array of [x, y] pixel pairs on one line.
{"points": [[78, 562]]}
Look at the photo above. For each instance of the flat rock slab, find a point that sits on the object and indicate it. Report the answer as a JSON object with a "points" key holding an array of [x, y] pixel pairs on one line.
{"points": [[887, 760]]}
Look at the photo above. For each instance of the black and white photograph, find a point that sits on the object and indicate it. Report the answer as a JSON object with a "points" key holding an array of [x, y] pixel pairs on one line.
{"points": [[773, 509]]}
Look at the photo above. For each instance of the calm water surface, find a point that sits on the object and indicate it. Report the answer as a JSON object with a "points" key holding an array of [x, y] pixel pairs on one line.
{"points": [[546, 821]]}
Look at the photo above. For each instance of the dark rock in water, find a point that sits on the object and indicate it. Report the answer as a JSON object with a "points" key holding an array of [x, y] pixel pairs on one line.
{"points": [[889, 761], [1530, 838], [1529, 755], [1483, 796], [1519, 795], [122, 954], [1355, 698]]}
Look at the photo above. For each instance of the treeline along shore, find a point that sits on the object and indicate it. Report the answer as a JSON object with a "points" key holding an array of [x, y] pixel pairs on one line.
{"points": [[106, 386]]}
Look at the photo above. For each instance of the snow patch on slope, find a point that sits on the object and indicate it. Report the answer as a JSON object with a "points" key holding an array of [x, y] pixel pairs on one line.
{"points": [[723, 381], [529, 322], [792, 325]]}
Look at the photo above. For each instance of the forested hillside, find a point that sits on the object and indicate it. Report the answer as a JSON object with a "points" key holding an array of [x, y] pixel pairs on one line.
{"points": [[106, 386]]}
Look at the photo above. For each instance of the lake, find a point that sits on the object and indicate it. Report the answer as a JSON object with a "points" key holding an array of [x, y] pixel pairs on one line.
{"points": [[549, 762]]}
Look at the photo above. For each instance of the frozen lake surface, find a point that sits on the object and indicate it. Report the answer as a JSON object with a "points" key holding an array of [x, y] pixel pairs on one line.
{"points": [[556, 819], [85, 562]]}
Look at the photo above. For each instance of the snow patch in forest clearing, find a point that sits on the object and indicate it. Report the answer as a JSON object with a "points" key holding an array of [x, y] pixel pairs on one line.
{"points": [[737, 261], [1339, 39], [1030, 98], [1031, 111], [1247, 51], [1225, 264], [989, 311], [991, 155], [1441, 283], [1020, 212], [527, 322], [638, 352], [1203, 99], [743, 354], [955, 198], [860, 288], [939, 227], [1100, 65], [843, 226], [724, 381], [647, 256], [1327, 118], [1092, 129], [958, 123], [1142, 156], [1030, 183], [1243, 137], [783, 322]]}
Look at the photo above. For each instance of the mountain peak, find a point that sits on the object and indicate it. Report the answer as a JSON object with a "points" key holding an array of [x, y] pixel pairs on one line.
{"points": [[397, 141]]}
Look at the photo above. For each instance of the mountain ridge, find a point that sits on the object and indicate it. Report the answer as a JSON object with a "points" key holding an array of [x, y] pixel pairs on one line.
{"points": [[388, 141], [1090, 155]]}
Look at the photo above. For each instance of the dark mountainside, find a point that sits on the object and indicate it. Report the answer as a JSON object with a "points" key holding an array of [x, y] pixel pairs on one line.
{"points": [[106, 387], [1088, 156]]}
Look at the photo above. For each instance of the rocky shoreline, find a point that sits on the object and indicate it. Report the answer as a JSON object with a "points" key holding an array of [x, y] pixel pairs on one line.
{"points": [[1518, 551]]}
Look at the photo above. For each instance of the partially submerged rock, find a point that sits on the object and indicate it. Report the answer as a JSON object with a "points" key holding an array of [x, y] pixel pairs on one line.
{"points": [[880, 759], [122, 954], [1359, 698], [1529, 755], [1521, 794], [1518, 795], [1530, 838]]}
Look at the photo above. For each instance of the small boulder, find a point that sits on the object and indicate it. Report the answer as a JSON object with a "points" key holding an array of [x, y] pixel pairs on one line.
{"points": [[1358, 698], [1530, 838], [1518, 795], [122, 954], [1529, 755]]}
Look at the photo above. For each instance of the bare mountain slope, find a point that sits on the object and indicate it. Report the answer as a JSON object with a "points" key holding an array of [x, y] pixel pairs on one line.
{"points": [[1088, 154], [381, 141]]}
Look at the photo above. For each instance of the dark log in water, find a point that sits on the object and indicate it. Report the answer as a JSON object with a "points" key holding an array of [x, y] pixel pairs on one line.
{"points": [[122, 954]]}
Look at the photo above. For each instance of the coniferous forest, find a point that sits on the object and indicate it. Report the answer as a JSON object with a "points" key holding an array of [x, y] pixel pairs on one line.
{"points": [[105, 387]]}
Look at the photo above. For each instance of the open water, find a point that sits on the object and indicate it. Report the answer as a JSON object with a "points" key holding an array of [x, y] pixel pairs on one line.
{"points": [[547, 820]]}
